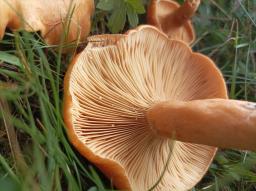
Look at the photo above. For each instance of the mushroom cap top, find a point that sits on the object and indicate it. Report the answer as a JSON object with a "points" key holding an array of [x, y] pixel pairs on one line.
{"points": [[52, 18], [8, 17], [158, 14], [107, 91]]}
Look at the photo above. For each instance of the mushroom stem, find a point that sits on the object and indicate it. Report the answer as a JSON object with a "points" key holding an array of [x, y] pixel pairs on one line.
{"points": [[214, 122], [181, 15]]}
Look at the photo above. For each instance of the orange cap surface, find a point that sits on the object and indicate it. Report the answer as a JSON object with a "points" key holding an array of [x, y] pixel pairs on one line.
{"points": [[52, 18]]}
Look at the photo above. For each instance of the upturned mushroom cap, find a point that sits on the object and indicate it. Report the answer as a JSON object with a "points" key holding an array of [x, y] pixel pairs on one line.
{"points": [[107, 92], [173, 19], [51, 18]]}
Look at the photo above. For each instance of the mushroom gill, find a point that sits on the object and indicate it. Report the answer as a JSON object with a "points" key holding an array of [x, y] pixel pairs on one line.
{"points": [[52, 18], [108, 91]]}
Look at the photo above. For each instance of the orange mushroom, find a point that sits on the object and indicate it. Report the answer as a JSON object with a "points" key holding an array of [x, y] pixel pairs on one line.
{"points": [[108, 90], [139, 113], [173, 19], [52, 18]]}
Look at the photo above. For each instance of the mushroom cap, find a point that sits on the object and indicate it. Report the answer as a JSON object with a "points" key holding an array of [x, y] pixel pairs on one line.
{"points": [[159, 10], [8, 17], [107, 91], [52, 18]]}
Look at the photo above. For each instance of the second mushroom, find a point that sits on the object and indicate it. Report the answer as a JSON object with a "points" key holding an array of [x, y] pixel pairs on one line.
{"points": [[67, 19], [173, 19]]}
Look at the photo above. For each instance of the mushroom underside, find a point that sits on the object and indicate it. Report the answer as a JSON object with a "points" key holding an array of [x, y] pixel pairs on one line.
{"points": [[111, 89]]}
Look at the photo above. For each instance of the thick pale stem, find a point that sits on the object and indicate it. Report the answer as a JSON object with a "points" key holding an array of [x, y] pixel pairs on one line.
{"points": [[214, 122], [181, 15]]}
